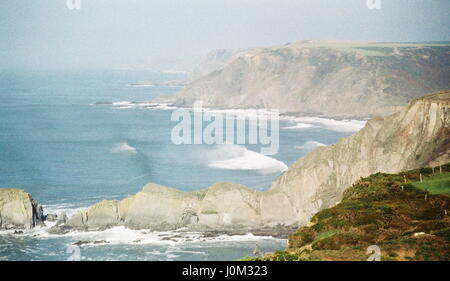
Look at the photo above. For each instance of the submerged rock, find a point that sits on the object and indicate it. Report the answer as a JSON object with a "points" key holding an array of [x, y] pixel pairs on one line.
{"points": [[18, 210], [87, 242]]}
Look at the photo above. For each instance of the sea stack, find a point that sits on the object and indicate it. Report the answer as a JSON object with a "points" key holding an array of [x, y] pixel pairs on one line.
{"points": [[18, 210]]}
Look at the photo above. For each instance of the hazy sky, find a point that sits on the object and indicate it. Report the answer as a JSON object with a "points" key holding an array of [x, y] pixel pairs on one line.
{"points": [[158, 34]]}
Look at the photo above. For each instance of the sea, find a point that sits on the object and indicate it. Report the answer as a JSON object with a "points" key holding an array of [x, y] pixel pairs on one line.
{"points": [[73, 138]]}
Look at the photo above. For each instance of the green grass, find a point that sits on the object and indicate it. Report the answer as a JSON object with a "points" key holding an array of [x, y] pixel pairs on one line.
{"points": [[324, 235], [408, 221], [435, 184]]}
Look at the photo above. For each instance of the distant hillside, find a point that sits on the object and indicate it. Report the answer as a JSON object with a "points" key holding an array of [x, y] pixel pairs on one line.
{"points": [[390, 211], [215, 60], [332, 78]]}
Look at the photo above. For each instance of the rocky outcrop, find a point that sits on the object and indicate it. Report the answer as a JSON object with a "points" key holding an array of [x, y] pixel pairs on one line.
{"points": [[162, 208], [332, 78], [417, 136], [18, 210]]}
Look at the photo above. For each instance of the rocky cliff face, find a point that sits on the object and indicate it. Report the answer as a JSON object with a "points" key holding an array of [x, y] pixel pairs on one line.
{"points": [[416, 136], [337, 79], [18, 210]]}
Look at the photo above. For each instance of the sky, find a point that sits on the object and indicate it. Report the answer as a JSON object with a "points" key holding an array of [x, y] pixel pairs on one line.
{"points": [[174, 34]]}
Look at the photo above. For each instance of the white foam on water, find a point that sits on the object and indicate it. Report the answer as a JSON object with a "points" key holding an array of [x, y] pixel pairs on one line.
{"points": [[68, 209], [165, 106], [299, 126], [123, 147], [310, 145], [121, 103], [141, 85], [124, 107], [139, 105], [327, 123], [235, 157], [299, 123], [243, 113], [123, 235]]}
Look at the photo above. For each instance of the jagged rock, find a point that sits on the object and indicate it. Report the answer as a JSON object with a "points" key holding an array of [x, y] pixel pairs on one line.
{"points": [[100, 215], [229, 204], [160, 207], [62, 229], [333, 78], [18, 210], [62, 219], [51, 217]]}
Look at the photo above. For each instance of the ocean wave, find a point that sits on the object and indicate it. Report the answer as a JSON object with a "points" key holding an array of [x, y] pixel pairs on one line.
{"points": [[310, 145], [299, 126], [68, 209], [122, 235], [347, 125], [123, 147], [121, 103], [235, 157], [138, 105], [141, 85], [243, 113]]}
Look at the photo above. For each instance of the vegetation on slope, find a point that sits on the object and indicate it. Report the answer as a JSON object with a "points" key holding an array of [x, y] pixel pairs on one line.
{"points": [[407, 220]]}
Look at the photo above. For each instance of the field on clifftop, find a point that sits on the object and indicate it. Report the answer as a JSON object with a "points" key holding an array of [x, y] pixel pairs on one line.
{"points": [[407, 220]]}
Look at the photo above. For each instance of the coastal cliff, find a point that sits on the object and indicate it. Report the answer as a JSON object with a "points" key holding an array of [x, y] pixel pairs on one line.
{"points": [[331, 78], [416, 136]]}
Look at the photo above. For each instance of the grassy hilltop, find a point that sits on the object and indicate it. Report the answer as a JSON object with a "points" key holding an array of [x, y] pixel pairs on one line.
{"points": [[408, 221]]}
